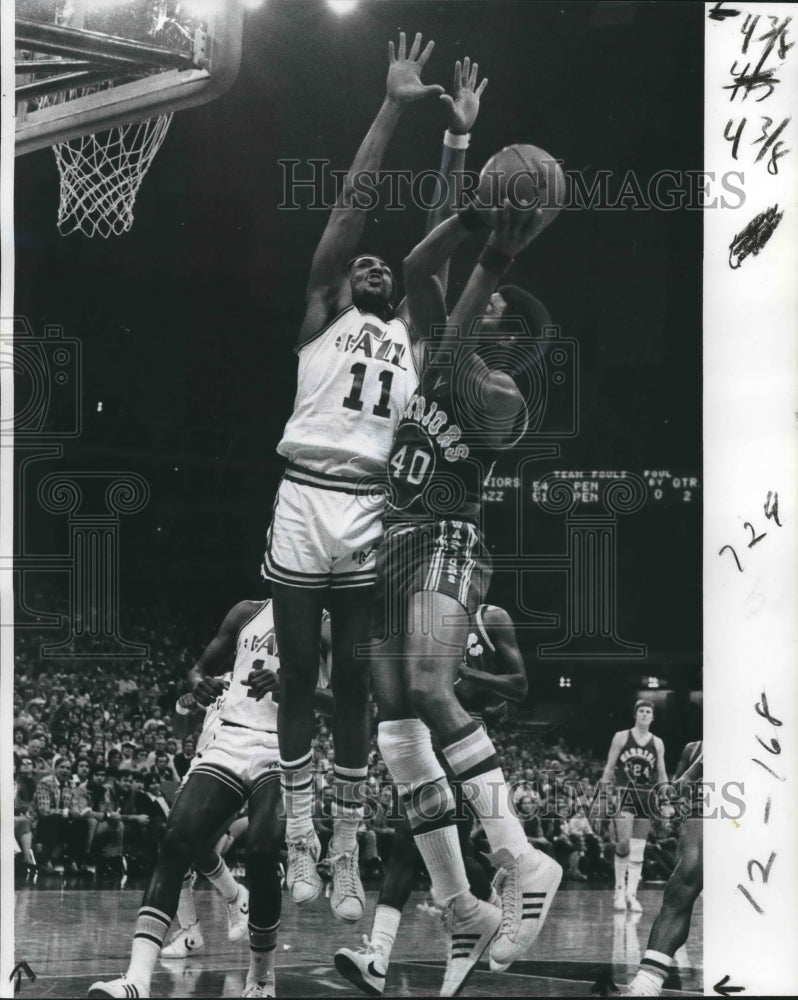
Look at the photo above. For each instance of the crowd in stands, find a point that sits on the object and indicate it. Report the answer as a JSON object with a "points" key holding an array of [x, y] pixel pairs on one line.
{"points": [[99, 752]]}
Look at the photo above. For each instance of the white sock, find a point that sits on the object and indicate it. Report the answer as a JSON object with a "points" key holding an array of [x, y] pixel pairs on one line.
{"points": [[186, 911], [148, 938], [441, 852], [347, 809], [486, 790], [637, 849], [621, 866], [222, 880], [385, 928], [296, 781]]}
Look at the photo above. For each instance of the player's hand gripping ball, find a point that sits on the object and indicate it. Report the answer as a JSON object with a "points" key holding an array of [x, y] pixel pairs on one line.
{"points": [[525, 176]]}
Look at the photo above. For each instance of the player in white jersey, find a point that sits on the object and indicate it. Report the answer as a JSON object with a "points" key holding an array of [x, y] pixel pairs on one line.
{"points": [[240, 763], [356, 375], [635, 762]]}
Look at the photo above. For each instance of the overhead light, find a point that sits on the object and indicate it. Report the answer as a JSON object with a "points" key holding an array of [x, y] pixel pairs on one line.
{"points": [[342, 6]]}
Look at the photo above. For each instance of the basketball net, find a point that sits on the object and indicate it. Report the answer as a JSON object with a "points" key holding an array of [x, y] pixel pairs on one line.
{"points": [[101, 174]]}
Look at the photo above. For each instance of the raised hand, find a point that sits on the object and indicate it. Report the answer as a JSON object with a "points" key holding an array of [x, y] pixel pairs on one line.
{"points": [[463, 104], [404, 71], [514, 228]]}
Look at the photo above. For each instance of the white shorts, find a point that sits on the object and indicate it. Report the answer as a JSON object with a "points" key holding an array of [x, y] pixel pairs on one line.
{"points": [[241, 758], [324, 531]]}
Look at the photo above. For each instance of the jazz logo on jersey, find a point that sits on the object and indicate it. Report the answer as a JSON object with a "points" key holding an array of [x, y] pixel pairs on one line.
{"points": [[261, 643], [370, 341]]}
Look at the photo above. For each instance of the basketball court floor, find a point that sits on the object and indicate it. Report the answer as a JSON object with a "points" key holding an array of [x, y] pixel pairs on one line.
{"points": [[71, 936]]}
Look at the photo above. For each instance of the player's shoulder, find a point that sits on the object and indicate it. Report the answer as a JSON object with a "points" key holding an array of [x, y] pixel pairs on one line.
{"points": [[659, 743], [492, 614], [243, 612], [621, 736]]}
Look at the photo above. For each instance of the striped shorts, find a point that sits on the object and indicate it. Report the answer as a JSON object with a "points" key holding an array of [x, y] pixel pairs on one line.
{"points": [[241, 758], [447, 557]]}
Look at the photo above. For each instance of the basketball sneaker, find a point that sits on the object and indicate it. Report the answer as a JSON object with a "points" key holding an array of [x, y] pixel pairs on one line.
{"points": [[260, 988], [468, 936], [365, 968], [302, 879], [634, 904], [238, 916], [348, 901], [187, 942], [121, 988], [527, 887], [619, 901]]}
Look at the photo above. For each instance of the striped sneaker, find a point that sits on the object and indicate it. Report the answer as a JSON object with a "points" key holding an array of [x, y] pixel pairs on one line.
{"points": [[527, 887], [468, 936], [120, 988]]}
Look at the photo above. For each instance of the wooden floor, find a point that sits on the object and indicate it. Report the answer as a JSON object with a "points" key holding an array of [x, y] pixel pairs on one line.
{"points": [[71, 936]]}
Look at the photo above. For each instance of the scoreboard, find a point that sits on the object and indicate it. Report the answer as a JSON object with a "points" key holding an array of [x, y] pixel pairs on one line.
{"points": [[660, 487]]}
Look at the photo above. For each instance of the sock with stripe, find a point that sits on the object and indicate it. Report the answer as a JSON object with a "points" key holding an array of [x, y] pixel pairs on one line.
{"points": [[262, 946], [296, 781], [148, 938], [347, 807], [406, 747], [222, 879], [653, 971], [385, 928], [472, 759], [186, 910]]}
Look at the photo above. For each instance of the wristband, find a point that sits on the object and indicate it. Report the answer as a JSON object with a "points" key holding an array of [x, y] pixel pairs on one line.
{"points": [[456, 140], [495, 261], [471, 218]]}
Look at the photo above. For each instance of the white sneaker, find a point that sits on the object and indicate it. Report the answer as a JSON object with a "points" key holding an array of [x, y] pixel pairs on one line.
{"points": [[121, 988], [619, 901], [365, 968], [527, 887], [187, 942], [260, 988], [348, 901], [468, 937], [645, 986], [302, 879], [238, 916], [634, 904]]}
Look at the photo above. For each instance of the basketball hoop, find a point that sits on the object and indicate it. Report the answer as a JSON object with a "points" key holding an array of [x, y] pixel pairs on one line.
{"points": [[101, 174]]}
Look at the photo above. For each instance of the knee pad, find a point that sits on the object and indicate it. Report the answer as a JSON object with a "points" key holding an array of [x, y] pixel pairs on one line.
{"points": [[637, 850]]}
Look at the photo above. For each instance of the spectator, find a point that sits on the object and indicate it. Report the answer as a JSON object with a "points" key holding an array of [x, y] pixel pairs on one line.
{"points": [[527, 808], [54, 795], [98, 822], [182, 761], [24, 813]]}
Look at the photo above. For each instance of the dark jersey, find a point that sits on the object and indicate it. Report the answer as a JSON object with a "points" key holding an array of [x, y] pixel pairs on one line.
{"points": [[480, 654], [434, 470], [637, 763]]}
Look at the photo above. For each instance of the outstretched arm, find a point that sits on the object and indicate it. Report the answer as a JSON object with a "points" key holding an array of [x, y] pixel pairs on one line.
{"points": [[328, 290], [511, 683]]}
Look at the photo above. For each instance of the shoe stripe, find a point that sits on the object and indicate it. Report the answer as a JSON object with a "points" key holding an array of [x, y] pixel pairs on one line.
{"points": [[534, 895]]}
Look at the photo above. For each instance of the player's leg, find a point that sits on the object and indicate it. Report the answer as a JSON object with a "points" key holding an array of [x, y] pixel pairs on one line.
{"points": [[672, 925], [297, 622], [637, 851], [429, 667], [528, 879], [624, 824], [350, 615], [367, 967], [204, 803], [264, 838]]}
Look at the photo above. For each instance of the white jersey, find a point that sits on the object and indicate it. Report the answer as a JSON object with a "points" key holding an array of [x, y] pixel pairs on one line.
{"points": [[355, 379], [256, 648], [212, 717]]}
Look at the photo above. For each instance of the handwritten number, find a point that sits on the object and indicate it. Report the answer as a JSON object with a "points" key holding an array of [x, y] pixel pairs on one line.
{"points": [[761, 709], [772, 509], [733, 553], [750, 898], [748, 28], [754, 537], [735, 139], [719, 14], [764, 869], [768, 769], [774, 748]]}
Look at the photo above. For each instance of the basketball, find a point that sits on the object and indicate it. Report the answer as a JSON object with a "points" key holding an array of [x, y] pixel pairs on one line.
{"points": [[525, 175]]}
